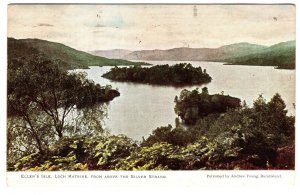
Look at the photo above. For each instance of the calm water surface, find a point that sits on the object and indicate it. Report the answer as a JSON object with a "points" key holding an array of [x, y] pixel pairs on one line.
{"points": [[141, 108]]}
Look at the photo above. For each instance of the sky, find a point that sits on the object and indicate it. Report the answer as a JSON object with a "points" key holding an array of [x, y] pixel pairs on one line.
{"points": [[140, 27]]}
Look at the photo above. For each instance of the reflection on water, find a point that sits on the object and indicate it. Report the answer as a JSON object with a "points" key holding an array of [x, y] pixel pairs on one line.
{"points": [[141, 107]]}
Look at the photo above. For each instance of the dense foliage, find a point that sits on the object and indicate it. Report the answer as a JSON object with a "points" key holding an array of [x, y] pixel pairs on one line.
{"points": [[42, 81], [178, 74], [261, 137], [41, 98], [192, 105]]}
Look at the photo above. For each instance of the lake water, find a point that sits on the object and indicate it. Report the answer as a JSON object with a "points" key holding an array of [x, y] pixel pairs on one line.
{"points": [[141, 108]]}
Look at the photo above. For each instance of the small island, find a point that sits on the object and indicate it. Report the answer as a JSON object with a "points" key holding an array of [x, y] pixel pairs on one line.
{"points": [[192, 105], [182, 74]]}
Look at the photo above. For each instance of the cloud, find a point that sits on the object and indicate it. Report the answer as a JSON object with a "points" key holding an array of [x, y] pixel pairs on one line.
{"points": [[43, 24]]}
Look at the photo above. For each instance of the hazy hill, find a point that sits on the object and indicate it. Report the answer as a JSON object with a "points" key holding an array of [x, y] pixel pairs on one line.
{"points": [[178, 54], [185, 53], [281, 55], [114, 53], [234, 50], [68, 57]]}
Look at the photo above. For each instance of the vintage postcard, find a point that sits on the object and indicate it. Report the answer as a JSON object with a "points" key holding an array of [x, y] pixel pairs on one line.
{"points": [[120, 94]]}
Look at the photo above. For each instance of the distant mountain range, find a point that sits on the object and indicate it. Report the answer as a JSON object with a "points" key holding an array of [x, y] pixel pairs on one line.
{"points": [[68, 57], [115, 53], [281, 55]]}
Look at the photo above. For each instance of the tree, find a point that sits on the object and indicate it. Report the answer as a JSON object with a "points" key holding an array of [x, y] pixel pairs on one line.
{"points": [[42, 95], [39, 85], [204, 91], [192, 105]]}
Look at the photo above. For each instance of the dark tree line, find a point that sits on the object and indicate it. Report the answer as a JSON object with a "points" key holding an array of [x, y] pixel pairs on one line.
{"points": [[192, 105], [178, 74]]}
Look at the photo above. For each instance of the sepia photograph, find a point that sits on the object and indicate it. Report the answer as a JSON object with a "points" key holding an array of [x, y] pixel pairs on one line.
{"points": [[150, 87]]}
